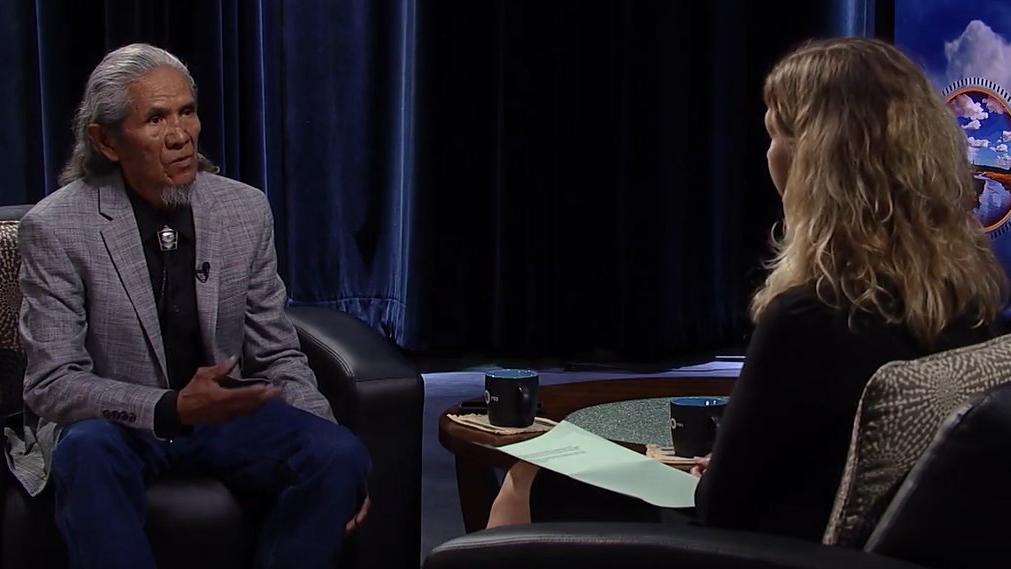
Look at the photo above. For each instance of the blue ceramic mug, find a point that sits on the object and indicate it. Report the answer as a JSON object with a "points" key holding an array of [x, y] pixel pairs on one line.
{"points": [[511, 395], [693, 423]]}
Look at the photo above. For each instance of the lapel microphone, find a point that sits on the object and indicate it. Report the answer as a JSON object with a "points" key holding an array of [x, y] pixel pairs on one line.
{"points": [[203, 272]]}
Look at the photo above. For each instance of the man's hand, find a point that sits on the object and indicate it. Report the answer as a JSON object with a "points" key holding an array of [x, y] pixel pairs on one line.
{"points": [[203, 400], [359, 518]]}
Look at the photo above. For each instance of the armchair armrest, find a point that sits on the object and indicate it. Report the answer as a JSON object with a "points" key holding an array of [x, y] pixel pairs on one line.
{"points": [[345, 354], [376, 392], [606, 545]]}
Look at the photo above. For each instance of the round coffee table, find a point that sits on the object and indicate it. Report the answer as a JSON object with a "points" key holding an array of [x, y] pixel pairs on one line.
{"points": [[476, 454]]}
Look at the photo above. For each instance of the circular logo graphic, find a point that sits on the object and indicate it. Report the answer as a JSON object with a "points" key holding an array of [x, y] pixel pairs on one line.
{"points": [[982, 109]]}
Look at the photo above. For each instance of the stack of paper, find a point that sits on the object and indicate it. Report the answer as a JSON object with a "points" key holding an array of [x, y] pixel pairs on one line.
{"points": [[578, 453]]}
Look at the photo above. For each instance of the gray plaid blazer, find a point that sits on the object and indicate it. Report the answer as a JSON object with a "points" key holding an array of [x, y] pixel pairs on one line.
{"points": [[89, 325]]}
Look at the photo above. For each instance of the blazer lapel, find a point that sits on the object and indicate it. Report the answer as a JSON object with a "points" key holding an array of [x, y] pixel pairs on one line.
{"points": [[122, 241], [205, 224]]}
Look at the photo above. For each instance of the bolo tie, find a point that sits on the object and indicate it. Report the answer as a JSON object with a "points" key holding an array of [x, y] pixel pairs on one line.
{"points": [[168, 240]]}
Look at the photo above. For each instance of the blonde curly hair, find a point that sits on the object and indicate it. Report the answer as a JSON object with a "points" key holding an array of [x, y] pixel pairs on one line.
{"points": [[879, 191]]}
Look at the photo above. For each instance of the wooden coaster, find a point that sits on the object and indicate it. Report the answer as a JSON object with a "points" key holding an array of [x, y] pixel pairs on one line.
{"points": [[666, 455], [480, 422]]}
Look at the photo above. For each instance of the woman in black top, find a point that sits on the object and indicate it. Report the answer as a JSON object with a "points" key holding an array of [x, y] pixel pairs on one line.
{"points": [[783, 439], [879, 259]]}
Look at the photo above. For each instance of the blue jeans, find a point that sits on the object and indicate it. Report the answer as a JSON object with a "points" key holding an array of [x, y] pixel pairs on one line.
{"points": [[314, 468]]}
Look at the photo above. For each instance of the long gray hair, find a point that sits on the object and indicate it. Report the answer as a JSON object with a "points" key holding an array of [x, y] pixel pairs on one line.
{"points": [[106, 102]]}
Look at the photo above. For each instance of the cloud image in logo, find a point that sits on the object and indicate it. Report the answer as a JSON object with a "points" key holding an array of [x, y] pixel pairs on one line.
{"points": [[979, 142], [979, 52], [964, 107], [987, 134]]}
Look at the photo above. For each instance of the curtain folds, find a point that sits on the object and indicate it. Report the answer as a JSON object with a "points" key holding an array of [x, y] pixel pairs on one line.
{"points": [[509, 177], [309, 101], [597, 170]]}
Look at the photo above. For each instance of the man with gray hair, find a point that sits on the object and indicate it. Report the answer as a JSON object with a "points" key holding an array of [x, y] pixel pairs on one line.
{"points": [[154, 328]]}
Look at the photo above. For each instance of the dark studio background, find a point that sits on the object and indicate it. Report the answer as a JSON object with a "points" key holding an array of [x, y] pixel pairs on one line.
{"points": [[544, 178]]}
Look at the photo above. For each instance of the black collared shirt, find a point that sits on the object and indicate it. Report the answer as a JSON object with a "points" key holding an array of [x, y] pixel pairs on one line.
{"points": [[173, 283]]}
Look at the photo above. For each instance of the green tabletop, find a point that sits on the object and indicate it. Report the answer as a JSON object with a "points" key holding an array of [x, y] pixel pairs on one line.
{"points": [[643, 421]]}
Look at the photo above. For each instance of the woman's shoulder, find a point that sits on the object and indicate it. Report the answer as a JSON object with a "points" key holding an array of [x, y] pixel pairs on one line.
{"points": [[802, 311], [799, 303], [794, 319]]}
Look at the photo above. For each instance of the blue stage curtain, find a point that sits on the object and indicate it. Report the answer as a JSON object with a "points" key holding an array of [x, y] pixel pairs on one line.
{"points": [[509, 177], [597, 172], [309, 101]]}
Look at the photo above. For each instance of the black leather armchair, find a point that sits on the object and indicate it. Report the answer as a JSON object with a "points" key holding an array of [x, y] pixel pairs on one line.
{"points": [[195, 523], [950, 512], [590, 545], [379, 395]]}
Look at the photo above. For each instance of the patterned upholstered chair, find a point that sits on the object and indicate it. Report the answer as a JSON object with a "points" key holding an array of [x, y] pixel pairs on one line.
{"points": [[12, 360], [897, 430], [194, 523], [902, 408]]}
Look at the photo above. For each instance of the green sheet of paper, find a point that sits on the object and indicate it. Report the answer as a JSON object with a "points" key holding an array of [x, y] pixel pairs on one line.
{"points": [[580, 454]]}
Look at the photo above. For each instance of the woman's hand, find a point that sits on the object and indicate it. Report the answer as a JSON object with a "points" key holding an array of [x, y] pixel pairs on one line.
{"points": [[701, 464]]}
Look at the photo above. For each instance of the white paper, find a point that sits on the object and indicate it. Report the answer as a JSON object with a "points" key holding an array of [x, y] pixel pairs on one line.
{"points": [[580, 454]]}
